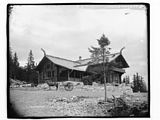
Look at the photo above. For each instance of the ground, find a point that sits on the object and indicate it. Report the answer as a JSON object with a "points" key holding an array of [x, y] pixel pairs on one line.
{"points": [[81, 101]]}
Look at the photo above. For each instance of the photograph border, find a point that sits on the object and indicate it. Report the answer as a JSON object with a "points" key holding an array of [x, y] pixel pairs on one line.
{"points": [[9, 107]]}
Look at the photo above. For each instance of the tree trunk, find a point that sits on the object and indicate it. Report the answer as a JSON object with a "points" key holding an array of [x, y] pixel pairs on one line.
{"points": [[104, 73]]}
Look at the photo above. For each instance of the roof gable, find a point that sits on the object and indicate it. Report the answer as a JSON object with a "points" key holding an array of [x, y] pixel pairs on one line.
{"points": [[111, 58], [120, 61]]}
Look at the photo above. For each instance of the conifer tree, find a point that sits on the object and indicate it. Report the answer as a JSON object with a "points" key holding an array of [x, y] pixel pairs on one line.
{"points": [[99, 55], [15, 66], [15, 60], [32, 76], [10, 58], [30, 64], [139, 84]]}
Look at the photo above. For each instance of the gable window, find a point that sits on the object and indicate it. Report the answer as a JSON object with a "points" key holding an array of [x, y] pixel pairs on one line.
{"points": [[48, 66]]}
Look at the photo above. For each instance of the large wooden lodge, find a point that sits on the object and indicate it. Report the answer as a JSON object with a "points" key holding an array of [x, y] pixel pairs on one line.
{"points": [[59, 69]]}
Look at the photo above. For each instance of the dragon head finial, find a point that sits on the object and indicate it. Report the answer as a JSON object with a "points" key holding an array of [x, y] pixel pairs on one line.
{"points": [[122, 50], [43, 51]]}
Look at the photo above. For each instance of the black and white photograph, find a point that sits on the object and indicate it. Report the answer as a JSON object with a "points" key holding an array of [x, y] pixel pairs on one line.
{"points": [[74, 60]]}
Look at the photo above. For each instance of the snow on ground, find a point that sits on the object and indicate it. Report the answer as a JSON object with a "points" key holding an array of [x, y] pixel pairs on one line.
{"points": [[81, 101]]}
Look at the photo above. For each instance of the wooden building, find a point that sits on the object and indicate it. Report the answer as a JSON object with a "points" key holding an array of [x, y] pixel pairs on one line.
{"points": [[59, 69], [114, 68]]}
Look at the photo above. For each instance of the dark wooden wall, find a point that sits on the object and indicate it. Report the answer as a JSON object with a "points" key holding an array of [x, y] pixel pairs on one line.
{"points": [[52, 72], [111, 75]]}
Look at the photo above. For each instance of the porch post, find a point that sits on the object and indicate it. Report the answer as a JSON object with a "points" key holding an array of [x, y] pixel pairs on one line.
{"points": [[38, 76], [68, 75], [120, 79], [74, 75]]}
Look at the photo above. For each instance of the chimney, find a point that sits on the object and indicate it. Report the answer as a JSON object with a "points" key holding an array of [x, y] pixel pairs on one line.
{"points": [[80, 58]]}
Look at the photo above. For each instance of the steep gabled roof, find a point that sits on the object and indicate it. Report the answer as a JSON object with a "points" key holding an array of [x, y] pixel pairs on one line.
{"points": [[79, 65], [111, 58], [64, 62]]}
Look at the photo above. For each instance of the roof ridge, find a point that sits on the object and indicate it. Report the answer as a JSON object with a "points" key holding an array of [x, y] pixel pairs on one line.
{"points": [[77, 61], [83, 59], [107, 55], [61, 58]]}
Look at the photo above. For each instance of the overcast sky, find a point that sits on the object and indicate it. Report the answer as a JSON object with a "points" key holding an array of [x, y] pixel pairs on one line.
{"points": [[68, 31]]}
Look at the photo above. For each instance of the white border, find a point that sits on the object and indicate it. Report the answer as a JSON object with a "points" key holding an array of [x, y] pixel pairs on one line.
{"points": [[154, 50]]}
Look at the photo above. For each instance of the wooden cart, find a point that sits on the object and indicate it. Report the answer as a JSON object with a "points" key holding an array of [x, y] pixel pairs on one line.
{"points": [[68, 86]]}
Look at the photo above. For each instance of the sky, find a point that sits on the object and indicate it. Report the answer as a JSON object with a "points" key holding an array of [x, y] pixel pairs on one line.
{"points": [[68, 32]]}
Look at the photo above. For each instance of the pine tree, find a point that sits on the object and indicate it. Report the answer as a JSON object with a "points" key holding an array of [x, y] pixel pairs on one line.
{"points": [[30, 64], [15, 60], [99, 54], [32, 76], [139, 84]]}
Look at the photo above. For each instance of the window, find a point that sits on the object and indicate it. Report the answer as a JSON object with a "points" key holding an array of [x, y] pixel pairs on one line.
{"points": [[48, 66], [52, 73], [49, 74]]}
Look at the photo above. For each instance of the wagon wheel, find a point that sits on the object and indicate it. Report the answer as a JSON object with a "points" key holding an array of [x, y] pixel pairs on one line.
{"points": [[68, 87]]}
